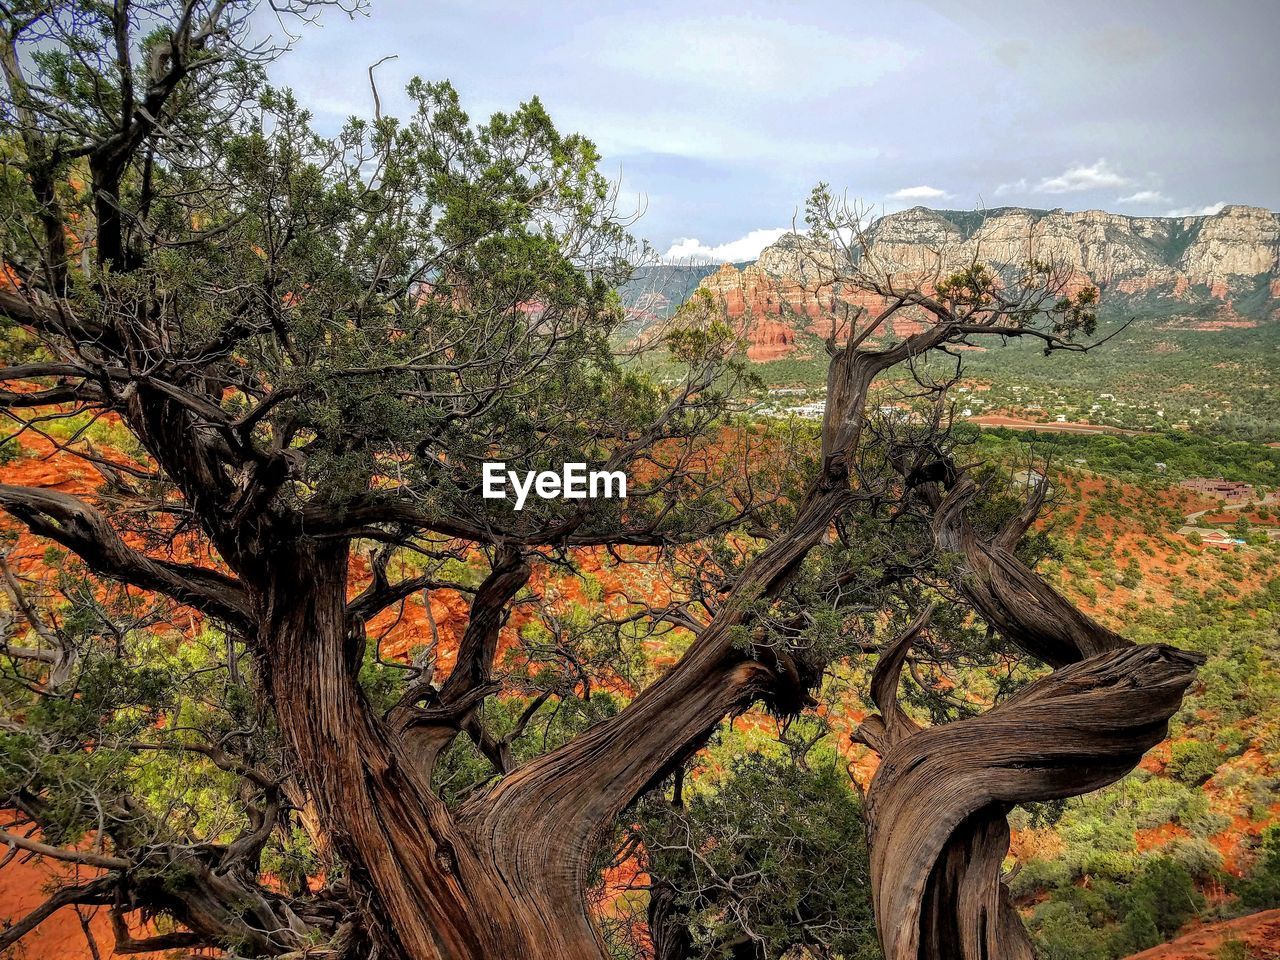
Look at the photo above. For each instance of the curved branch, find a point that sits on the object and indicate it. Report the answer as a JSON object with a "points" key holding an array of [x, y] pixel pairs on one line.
{"points": [[1007, 593], [936, 807], [545, 819], [85, 857], [87, 533], [430, 730], [95, 892], [892, 725], [381, 594], [126, 943]]}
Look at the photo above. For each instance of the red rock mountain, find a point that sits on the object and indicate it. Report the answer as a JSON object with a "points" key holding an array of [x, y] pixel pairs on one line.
{"points": [[1208, 271]]}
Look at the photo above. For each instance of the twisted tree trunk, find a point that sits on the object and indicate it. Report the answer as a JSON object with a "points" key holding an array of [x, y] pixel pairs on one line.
{"points": [[937, 805], [1030, 614], [428, 892], [509, 874], [936, 808]]}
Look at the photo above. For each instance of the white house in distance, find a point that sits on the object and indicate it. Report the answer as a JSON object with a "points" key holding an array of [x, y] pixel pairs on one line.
{"points": [[1030, 479], [1211, 537]]}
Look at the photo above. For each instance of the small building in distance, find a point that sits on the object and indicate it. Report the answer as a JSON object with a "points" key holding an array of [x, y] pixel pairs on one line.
{"points": [[1217, 487], [810, 411], [1030, 479], [1211, 537]]}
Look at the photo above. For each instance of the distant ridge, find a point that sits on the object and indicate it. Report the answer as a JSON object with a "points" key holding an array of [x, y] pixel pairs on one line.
{"points": [[1226, 252], [1208, 271]]}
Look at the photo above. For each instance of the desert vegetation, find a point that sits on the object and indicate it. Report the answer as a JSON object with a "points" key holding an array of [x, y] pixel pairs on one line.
{"points": [[277, 680]]}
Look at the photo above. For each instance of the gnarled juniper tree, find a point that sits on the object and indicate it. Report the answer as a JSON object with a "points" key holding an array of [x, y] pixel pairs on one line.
{"points": [[315, 343]]}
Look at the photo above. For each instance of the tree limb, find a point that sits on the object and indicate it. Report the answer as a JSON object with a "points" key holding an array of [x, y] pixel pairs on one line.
{"points": [[87, 533]]}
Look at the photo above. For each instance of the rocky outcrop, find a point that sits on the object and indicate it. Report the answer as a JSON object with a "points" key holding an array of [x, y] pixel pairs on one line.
{"points": [[800, 258], [1226, 264], [1229, 253], [768, 309]]}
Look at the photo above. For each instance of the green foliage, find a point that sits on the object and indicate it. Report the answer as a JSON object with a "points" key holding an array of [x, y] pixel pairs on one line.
{"points": [[463, 768], [121, 727], [1164, 895], [1105, 899], [698, 333], [1185, 455], [1115, 917], [1194, 761], [423, 295], [1261, 889], [1063, 931], [742, 855]]}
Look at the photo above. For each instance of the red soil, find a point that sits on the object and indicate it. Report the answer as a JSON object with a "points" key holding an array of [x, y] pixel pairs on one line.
{"points": [[1259, 931]]}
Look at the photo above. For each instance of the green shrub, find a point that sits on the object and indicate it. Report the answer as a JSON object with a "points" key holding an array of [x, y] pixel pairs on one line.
{"points": [[1152, 908], [1061, 933], [1193, 761], [1261, 889]]}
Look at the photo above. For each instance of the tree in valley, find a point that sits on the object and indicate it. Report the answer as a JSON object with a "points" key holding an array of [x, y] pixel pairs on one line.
{"points": [[309, 346]]}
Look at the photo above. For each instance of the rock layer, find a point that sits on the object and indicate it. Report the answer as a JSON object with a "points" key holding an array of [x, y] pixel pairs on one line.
{"points": [[1226, 263], [1230, 249]]}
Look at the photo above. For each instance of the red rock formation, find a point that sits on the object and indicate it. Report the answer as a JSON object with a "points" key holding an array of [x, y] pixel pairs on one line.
{"points": [[1259, 932], [770, 311], [766, 312], [770, 340]]}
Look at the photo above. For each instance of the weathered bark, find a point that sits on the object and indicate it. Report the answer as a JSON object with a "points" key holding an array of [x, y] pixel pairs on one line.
{"points": [[668, 922], [937, 805], [508, 875], [427, 892], [511, 875], [936, 808], [217, 906], [1028, 612], [544, 821]]}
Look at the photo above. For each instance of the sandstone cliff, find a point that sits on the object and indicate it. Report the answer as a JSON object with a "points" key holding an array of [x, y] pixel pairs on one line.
{"points": [[1222, 269], [1229, 251]]}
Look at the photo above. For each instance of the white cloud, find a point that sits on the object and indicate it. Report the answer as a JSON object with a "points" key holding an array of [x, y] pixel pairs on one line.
{"points": [[1208, 211], [691, 249], [1144, 196], [1092, 177], [1017, 186], [921, 192]]}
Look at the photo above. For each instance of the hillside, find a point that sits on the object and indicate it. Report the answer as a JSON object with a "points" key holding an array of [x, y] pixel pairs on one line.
{"points": [[1201, 802], [1258, 934], [1204, 273]]}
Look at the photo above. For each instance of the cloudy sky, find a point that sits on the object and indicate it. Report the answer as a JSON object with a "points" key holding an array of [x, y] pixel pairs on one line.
{"points": [[719, 117]]}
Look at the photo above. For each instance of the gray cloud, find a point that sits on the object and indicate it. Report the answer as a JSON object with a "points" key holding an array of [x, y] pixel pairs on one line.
{"points": [[720, 116]]}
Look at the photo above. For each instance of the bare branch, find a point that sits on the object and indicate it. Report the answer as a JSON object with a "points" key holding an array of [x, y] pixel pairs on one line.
{"points": [[87, 533]]}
